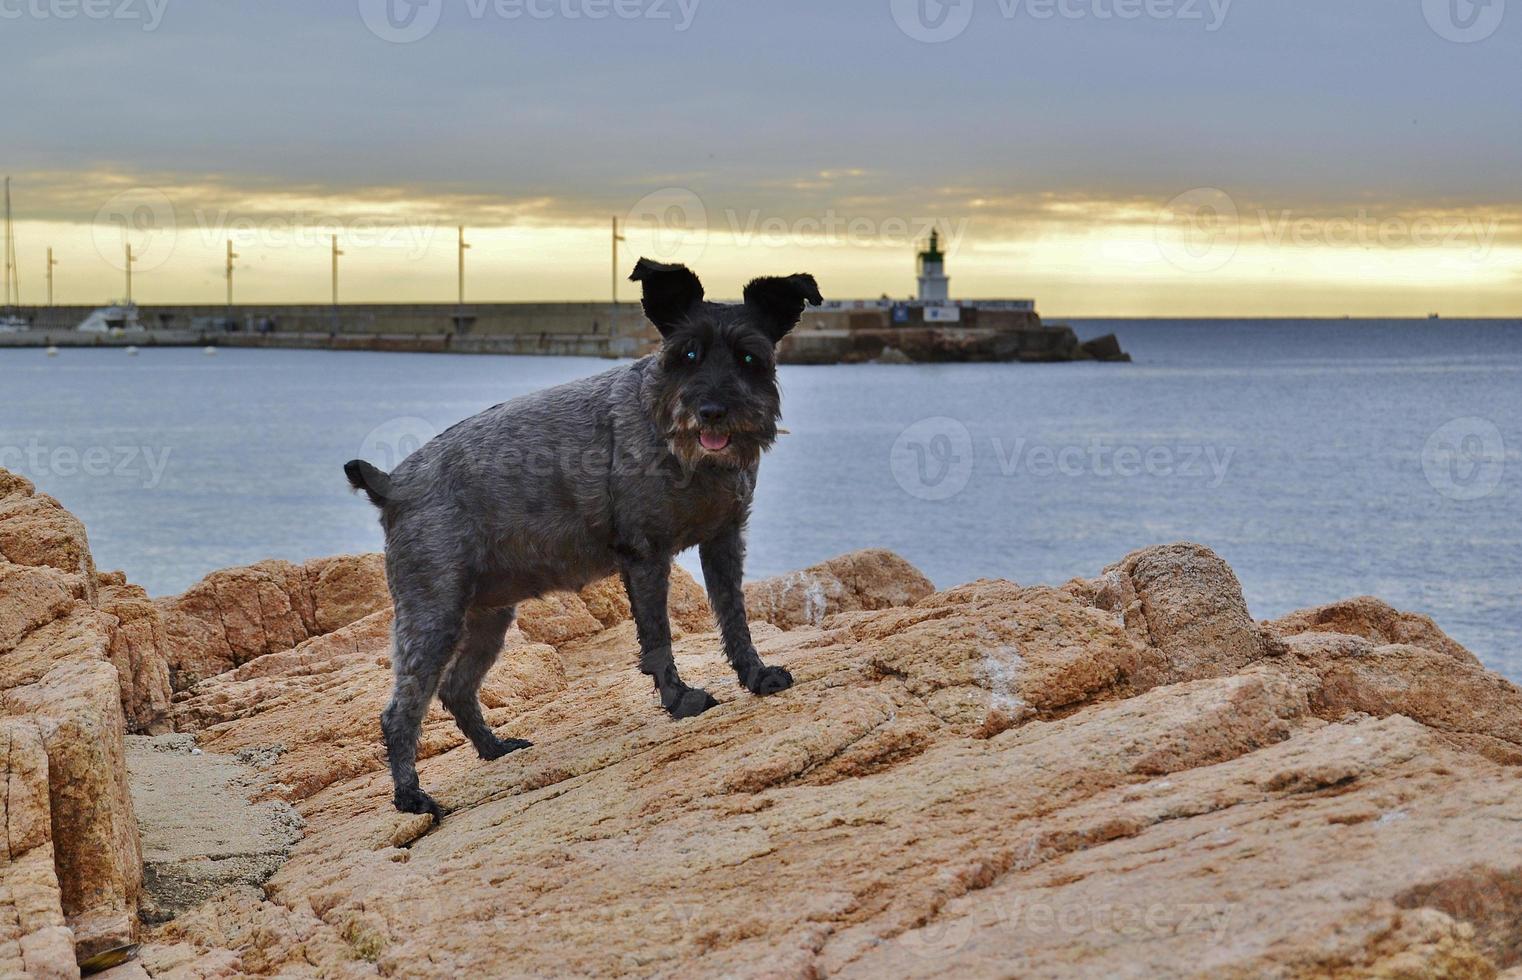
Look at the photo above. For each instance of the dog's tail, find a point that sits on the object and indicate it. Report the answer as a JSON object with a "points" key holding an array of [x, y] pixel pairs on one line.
{"points": [[364, 476]]}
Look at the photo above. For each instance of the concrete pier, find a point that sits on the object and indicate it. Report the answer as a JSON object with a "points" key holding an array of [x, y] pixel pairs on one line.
{"points": [[835, 333], [589, 329]]}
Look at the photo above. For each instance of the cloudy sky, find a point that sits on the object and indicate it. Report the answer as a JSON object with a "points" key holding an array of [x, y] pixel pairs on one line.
{"points": [[1103, 156]]}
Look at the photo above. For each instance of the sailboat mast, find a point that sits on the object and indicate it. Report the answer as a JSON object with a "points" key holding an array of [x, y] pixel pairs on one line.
{"points": [[12, 286]]}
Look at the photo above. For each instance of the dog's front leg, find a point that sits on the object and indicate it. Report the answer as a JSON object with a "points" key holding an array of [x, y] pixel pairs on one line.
{"points": [[723, 571], [647, 581]]}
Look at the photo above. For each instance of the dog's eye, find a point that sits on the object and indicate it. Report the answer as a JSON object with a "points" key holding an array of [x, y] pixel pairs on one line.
{"points": [[692, 355], [750, 358]]}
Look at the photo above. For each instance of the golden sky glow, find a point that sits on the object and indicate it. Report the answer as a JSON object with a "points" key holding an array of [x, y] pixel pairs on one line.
{"points": [[1201, 253]]}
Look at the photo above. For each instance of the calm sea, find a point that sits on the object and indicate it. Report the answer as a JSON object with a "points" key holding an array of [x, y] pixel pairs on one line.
{"points": [[1322, 459]]}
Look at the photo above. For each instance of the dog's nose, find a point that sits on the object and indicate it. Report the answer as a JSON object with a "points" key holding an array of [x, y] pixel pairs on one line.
{"points": [[712, 412]]}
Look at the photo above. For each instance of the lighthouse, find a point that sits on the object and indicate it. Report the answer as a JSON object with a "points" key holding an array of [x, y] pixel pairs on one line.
{"points": [[935, 287]]}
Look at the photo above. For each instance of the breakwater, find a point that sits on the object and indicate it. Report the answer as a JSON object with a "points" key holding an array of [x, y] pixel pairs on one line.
{"points": [[835, 333], [587, 329]]}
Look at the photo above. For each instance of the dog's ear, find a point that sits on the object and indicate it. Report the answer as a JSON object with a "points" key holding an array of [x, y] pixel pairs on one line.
{"points": [[778, 301], [671, 292]]}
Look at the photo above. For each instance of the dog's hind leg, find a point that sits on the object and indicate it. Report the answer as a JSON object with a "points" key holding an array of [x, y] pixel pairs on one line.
{"points": [[484, 630], [425, 636], [723, 570], [647, 581]]}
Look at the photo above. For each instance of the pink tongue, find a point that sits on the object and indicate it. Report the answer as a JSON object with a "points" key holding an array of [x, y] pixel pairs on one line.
{"points": [[713, 442]]}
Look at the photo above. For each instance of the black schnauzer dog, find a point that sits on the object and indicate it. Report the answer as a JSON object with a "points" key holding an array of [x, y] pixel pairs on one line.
{"points": [[551, 491]]}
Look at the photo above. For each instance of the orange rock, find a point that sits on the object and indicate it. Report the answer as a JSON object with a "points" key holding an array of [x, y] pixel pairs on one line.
{"points": [[1313, 857], [34, 940], [989, 655], [871, 579], [138, 650], [990, 780], [346, 589], [687, 603], [1374, 620], [15, 485], [76, 708], [557, 618], [319, 704], [34, 597], [36, 531], [1121, 776], [238, 614], [1185, 601], [56, 672]]}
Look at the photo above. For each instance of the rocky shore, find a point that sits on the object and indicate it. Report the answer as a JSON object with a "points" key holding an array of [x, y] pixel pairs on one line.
{"points": [[1122, 776]]}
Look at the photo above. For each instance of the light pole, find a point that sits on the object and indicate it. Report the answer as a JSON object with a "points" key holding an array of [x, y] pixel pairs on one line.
{"points": [[230, 256], [51, 262], [461, 276], [613, 319], [336, 254], [12, 283], [129, 273]]}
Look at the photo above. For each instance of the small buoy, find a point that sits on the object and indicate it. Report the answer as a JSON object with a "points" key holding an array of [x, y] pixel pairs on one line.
{"points": [[131, 351], [52, 351], [210, 352]]}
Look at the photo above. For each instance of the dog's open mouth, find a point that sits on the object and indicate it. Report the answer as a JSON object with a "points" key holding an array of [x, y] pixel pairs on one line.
{"points": [[714, 442]]}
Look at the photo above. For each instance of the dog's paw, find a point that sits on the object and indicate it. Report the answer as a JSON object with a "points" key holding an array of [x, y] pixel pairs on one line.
{"points": [[501, 747], [417, 801], [692, 703], [770, 680]]}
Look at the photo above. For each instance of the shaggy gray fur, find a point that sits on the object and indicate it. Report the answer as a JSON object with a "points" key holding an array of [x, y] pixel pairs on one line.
{"points": [[556, 489]]}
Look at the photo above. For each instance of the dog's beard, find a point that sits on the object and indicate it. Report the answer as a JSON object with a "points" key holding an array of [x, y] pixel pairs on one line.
{"points": [[735, 442], [742, 447], [742, 450]]}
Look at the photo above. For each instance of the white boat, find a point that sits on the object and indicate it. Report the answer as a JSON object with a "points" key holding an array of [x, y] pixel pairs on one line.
{"points": [[12, 324], [116, 318]]}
